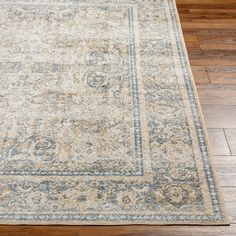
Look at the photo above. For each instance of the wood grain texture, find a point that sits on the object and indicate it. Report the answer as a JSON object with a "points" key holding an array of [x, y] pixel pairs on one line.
{"points": [[119, 230], [217, 116], [225, 75], [226, 166], [209, 28], [206, 2], [200, 75], [216, 57], [231, 139], [218, 142], [217, 94]]}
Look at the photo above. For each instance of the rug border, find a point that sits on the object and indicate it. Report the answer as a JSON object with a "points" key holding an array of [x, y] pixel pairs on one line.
{"points": [[201, 116]]}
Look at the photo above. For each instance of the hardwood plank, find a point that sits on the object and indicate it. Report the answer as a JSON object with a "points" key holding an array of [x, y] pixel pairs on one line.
{"points": [[192, 46], [231, 138], [218, 142], [213, 21], [185, 17], [212, 58], [227, 180], [118, 230], [190, 38], [204, 33], [217, 94], [219, 116], [220, 46], [222, 74], [198, 5], [202, 17], [228, 39], [182, 11], [229, 194], [212, 11], [200, 74], [226, 166], [217, 24], [203, 2]]}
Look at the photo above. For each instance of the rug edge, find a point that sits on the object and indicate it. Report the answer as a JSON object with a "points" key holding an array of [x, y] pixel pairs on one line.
{"points": [[210, 156]]}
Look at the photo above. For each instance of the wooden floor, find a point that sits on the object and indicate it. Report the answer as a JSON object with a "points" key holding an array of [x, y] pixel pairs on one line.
{"points": [[209, 28]]}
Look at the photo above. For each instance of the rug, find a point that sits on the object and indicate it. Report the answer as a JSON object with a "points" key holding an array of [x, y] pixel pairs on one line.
{"points": [[100, 121]]}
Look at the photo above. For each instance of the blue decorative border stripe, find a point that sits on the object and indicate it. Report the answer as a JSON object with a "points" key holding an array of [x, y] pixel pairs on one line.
{"points": [[192, 101], [110, 217], [135, 93]]}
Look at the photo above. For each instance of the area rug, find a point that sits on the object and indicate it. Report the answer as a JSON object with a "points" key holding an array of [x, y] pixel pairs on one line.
{"points": [[100, 121]]}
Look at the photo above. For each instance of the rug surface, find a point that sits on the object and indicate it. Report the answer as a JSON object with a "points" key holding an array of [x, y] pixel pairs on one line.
{"points": [[99, 119]]}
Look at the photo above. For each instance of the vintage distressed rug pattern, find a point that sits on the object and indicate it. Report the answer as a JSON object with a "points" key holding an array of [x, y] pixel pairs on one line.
{"points": [[99, 119]]}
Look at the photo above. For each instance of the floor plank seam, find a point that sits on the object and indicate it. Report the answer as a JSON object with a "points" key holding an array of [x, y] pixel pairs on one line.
{"points": [[227, 141]]}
